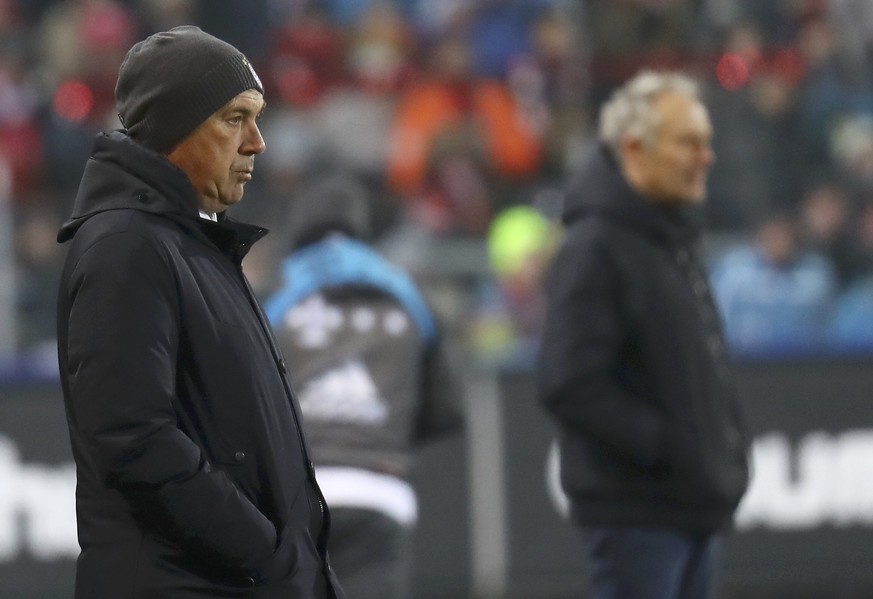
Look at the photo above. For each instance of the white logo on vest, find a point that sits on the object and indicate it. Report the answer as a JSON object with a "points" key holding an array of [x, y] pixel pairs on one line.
{"points": [[344, 394]]}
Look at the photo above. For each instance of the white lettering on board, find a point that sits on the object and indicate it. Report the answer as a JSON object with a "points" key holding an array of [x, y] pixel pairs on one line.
{"points": [[37, 508], [822, 479]]}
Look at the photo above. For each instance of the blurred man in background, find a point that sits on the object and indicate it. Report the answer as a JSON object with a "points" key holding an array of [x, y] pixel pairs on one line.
{"points": [[633, 365], [193, 476], [366, 358]]}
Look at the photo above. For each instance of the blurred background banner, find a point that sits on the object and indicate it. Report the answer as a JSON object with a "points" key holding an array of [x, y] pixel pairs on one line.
{"points": [[463, 119], [804, 529], [38, 543]]}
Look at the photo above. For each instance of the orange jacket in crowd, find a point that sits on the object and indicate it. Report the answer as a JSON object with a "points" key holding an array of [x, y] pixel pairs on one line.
{"points": [[429, 108]]}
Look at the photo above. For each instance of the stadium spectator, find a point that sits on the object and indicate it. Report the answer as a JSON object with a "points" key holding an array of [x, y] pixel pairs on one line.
{"points": [[449, 99], [510, 306], [775, 295], [826, 223]]}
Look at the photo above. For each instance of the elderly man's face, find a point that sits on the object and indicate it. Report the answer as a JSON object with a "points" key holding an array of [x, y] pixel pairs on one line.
{"points": [[674, 167], [219, 156]]}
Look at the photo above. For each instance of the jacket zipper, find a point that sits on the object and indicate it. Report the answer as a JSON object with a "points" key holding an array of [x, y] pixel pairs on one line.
{"points": [[283, 373]]}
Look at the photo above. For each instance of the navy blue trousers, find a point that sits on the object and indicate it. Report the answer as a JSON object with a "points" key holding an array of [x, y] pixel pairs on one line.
{"points": [[633, 563]]}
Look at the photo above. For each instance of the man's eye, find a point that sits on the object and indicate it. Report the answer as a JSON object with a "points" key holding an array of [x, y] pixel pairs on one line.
{"points": [[235, 120]]}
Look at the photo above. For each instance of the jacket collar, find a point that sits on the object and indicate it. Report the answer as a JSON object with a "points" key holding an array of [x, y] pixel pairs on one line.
{"points": [[122, 174], [599, 189]]}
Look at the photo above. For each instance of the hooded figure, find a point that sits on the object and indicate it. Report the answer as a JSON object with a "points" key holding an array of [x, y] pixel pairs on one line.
{"points": [[366, 358], [194, 480], [634, 367]]}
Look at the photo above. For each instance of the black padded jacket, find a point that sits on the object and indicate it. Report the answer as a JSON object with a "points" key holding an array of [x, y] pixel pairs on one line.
{"points": [[633, 365], [193, 475]]}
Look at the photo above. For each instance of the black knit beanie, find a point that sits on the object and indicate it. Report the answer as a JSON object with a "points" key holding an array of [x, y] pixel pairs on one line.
{"points": [[173, 81]]}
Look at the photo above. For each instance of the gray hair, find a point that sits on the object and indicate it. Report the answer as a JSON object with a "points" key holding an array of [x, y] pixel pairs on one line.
{"points": [[629, 111]]}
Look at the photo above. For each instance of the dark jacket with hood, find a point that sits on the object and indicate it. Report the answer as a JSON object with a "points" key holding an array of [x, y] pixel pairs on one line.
{"points": [[193, 476], [634, 366], [370, 394]]}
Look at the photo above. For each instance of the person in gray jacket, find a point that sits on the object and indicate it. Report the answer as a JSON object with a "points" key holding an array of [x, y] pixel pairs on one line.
{"points": [[633, 366], [194, 480], [368, 361]]}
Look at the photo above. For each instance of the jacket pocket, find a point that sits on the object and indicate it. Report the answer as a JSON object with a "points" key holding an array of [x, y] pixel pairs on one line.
{"points": [[283, 563]]}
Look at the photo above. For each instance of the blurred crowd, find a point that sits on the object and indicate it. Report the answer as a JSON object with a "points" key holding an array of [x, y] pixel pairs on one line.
{"points": [[461, 119]]}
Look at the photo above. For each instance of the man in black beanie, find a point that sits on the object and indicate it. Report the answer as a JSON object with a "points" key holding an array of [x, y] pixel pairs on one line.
{"points": [[194, 479]]}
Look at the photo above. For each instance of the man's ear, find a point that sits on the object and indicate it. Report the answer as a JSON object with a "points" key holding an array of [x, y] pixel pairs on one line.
{"points": [[630, 148], [632, 159]]}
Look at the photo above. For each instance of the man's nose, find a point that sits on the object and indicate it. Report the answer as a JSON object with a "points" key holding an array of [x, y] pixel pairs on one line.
{"points": [[254, 142]]}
